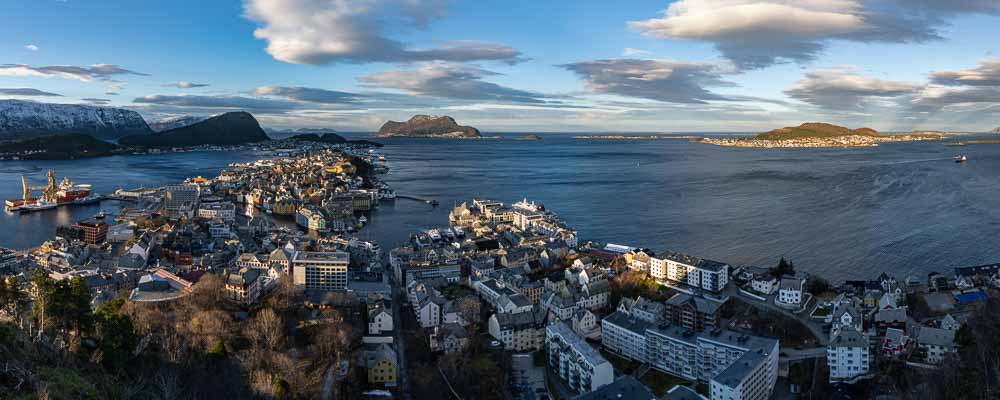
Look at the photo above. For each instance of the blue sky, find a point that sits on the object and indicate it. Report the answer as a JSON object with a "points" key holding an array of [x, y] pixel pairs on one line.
{"points": [[657, 66]]}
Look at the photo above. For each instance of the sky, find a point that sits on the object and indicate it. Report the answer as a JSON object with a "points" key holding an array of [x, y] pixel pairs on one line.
{"points": [[517, 65]]}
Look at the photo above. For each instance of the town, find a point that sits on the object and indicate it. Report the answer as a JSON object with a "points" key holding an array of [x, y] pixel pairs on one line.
{"points": [[262, 270]]}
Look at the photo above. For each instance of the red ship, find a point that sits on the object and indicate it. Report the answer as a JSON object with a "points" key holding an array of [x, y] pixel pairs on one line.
{"points": [[52, 196]]}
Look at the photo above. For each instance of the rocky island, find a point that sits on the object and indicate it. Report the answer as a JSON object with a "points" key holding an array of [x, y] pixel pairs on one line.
{"points": [[817, 134], [530, 137], [426, 126], [996, 130]]}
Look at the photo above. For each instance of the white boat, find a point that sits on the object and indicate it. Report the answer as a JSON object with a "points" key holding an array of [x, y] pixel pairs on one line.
{"points": [[961, 158]]}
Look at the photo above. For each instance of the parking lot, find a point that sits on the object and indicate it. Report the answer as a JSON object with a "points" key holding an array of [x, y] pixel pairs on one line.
{"points": [[527, 381]]}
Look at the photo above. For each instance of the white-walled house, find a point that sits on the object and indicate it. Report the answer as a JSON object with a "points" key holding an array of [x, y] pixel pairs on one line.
{"points": [[379, 319], [848, 355]]}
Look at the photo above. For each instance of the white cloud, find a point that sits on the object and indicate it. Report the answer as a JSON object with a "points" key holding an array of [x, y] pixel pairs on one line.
{"points": [[630, 52], [449, 80], [102, 72], [661, 80], [759, 33], [31, 47], [186, 85], [341, 31], [845, 89]]}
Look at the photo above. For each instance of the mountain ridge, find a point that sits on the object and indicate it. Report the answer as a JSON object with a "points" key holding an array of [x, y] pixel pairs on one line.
{"points": [[21, 119], [231, 128]]}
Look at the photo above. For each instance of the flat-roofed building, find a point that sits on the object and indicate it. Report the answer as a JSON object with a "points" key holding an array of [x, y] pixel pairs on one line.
{"points": [[581, 366], [320, 271]]}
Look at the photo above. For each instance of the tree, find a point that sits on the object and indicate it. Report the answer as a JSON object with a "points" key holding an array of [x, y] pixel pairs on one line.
{"points": [[818, 285], [115, 335], [783, 268], [13, 299], [266, 330]]}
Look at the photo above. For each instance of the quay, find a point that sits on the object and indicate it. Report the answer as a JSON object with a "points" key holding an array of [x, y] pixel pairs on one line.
{"points": [[415, 198]]}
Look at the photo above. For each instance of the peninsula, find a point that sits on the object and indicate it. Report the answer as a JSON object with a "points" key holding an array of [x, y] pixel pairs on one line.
{"points": [[817, 134], [426, 126]]}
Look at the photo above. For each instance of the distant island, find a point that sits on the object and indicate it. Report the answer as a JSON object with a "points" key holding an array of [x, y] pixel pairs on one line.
{"points": [[232, 128], [818, 134], [426, 126], [530, 137], [330, 138], [996, 130], [632, 137]]}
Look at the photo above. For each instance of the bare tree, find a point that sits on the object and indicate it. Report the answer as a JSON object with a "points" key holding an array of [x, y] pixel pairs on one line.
{"points": [[266, 330]]}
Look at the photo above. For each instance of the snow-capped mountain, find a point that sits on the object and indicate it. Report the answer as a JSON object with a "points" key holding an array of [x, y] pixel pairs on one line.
{"points": [[176, 122], [19, 119]]}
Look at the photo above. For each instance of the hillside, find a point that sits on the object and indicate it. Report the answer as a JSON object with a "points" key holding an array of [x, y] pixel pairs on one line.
{"points": [[814, 130], [169, 123], [23, 119], [58, 147], [232, 128], [426, 126]]}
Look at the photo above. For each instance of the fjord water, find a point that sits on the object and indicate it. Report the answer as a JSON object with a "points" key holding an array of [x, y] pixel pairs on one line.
{"points": [[904, 208]]}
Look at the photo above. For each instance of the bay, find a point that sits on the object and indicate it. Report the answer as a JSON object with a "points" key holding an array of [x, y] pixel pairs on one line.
{"points": [[903, 208]]}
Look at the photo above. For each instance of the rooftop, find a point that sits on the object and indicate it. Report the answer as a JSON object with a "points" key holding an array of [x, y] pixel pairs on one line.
{"points": [[321, 256], [624, 388]]}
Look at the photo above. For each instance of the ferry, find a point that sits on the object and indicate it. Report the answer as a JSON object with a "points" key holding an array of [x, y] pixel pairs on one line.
{"points": [[66, 193], [961, 159]]}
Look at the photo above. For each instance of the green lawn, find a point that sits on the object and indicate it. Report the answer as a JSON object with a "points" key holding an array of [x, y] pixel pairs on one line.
{"points": [[660, 382]]}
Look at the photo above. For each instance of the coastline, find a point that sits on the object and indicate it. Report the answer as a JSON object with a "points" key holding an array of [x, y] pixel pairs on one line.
{"points": [[817, 142]]}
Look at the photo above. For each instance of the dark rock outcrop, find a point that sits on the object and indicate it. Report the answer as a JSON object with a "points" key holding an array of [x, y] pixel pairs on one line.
{"points": [[232, 128], [426, 126]]}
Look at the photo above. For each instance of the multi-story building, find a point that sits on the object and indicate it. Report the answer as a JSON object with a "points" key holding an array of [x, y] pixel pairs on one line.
{"points": [[381, 365], [225, 211], [691, 271], [693, 312], [521, 331], [320, 271], [735, 365], [180, 196], [936, 343], [379, 318], [790, 291], [569, 356], [244, 286], [848, 355]]}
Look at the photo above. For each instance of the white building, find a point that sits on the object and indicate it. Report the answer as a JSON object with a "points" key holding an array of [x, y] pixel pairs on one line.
{"points": [[790, 291], [765, 284], [695, 272], [735, 365], [847, 355], [576, 362], [428, 309], [223, 210], [320, 271], [379, 319]]}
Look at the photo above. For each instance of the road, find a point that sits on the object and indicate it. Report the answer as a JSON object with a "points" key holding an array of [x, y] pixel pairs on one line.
{"points": [[397, 329], [790, 354], [814, 327]]}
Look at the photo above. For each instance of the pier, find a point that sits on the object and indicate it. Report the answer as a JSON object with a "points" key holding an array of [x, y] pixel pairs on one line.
{"points": [[415, 198]]}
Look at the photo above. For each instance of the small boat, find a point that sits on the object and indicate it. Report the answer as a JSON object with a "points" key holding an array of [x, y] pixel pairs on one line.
{"points": [[961, 159]]}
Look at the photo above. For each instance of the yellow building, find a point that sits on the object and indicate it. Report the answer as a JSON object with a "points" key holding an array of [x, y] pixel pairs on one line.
{"points": [[381, 365], [285, 206]]}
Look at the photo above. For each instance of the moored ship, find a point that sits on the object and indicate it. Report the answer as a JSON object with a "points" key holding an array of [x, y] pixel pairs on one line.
{"points": [[53, 195]]}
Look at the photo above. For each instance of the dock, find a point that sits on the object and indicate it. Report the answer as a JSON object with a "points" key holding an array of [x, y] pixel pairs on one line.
{"points": [[415, 198]]}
